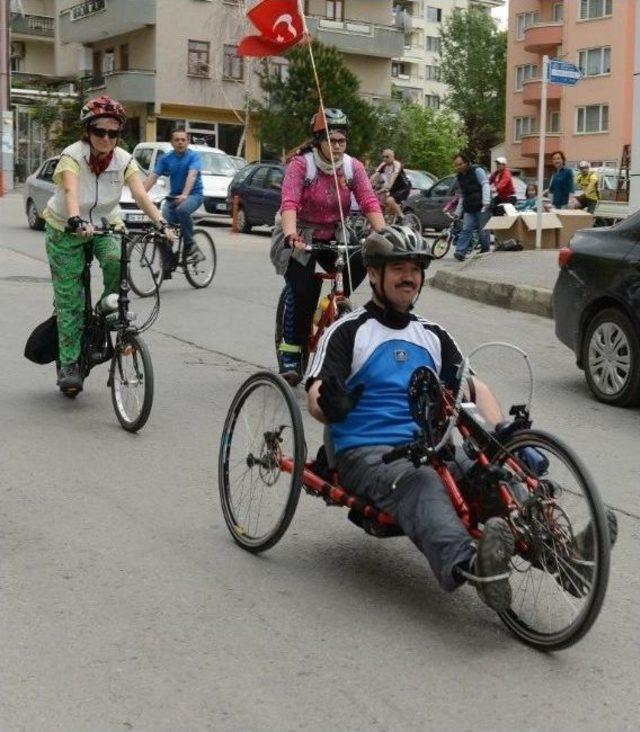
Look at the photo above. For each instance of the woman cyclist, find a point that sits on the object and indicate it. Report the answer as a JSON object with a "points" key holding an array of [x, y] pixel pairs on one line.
{"points": [[89, 179], [310, 212]]}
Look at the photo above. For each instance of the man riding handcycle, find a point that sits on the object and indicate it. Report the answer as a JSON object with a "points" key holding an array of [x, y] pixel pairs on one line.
{"points": [[510, 510]]}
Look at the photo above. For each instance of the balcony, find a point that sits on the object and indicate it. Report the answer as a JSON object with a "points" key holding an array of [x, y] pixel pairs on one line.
{"points": [[358, 38], [134, 85], [403, 20], [543, 37], [95, 20], [41, 26], [530, 144], [532, 92]]}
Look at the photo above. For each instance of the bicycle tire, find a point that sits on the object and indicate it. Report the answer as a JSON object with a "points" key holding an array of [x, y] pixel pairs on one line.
{"points": [[440, 246], [551, 447], [283, 418], [131, 345], [138, 252], [412, 220], [206, 244], [279, 332]]}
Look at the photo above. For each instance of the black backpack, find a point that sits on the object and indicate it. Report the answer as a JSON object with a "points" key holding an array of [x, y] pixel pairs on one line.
{"points": [[402, 184]]}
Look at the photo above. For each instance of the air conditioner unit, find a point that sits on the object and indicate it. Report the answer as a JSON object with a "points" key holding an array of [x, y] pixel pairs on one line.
{"points": [[17, 49]]}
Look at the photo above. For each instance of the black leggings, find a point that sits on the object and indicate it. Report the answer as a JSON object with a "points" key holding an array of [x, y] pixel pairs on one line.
{"points": [[303, 290]]}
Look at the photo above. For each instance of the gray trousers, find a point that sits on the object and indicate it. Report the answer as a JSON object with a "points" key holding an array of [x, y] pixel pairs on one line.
{"points": [[420, 505]]}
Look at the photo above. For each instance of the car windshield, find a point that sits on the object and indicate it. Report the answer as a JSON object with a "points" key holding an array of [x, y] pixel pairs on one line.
{"points": [[216, 164], [419, 179]]}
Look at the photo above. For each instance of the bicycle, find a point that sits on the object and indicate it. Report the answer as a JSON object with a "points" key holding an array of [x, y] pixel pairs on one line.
{"points": [[360, 224], [558, 584], [130, 371], [448, 237], [334, 305], [152, 258]]}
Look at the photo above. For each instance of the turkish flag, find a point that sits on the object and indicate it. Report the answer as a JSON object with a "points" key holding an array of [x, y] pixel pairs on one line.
{"points": [[280, 24]]}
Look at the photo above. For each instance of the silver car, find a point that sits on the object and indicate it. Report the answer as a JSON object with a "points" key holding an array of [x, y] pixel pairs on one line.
{"points": [[39, 188]]}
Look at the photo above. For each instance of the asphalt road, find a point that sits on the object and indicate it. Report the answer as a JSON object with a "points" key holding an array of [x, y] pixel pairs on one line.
{"points": [[124, 603]]}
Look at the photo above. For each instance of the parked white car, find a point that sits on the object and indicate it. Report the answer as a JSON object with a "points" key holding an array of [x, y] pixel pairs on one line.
{"points": [[217, 172], [39, 188]]}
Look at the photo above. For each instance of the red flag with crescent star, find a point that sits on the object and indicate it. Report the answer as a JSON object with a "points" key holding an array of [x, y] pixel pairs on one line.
{"points": [[280, 24]]}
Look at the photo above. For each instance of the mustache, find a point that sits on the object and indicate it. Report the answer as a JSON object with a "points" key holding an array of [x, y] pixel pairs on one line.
{"points": [[406, 283]]}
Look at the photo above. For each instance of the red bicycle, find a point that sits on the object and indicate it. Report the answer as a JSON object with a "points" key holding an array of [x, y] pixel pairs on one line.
{"points": [[331, 307], [560, 568]]}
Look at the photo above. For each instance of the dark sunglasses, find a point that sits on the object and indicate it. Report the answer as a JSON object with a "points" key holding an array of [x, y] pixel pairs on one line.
{"points": [[101, 132]]}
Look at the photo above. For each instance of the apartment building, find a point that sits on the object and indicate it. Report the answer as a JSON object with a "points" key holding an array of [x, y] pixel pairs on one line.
{"points": [[365, 34], [415, 72], [169, 63], [592, 120]]}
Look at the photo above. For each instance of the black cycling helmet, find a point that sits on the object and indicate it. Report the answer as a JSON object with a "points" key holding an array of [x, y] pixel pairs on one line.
{"points": [[395, 243], [336, 120]]}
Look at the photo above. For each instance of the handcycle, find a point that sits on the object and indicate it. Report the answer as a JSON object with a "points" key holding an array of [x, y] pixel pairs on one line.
{"points": [[330, 307], [152, 259], [559, 571], [109, 334]]}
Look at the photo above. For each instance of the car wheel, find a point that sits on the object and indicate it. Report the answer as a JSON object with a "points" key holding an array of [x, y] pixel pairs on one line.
{"points": [[611, 358], [242, 221], [34, 221]]}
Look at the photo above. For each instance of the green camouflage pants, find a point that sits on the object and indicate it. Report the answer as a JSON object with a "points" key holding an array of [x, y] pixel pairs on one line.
{"points": [[66, 260]]}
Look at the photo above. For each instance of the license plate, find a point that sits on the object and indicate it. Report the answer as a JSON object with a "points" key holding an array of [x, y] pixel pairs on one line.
{"points": [[221, 206], [137, 218]]}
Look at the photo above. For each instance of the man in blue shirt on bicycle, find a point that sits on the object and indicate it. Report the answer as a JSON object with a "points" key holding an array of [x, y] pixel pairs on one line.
{"points": [[183, 167]]}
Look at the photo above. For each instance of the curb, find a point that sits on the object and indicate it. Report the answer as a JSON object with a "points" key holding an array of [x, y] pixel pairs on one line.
{"points": [[526, 299]]}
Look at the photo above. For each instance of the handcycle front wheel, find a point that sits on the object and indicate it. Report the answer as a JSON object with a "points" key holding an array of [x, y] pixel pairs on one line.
{"points": [[131, 381], [560, 570], [200, 274], [262, 454], [145, 269]]}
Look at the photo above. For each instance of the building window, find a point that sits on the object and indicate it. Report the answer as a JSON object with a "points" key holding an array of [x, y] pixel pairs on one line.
{"points": [[595, 9], [592, 118], [124, 57], [558, 12], [280, 69], [523, 126], [399, 70], [334, 9], [433, 44], [433, 15], [595, 61], [109, 61], [232, 64], [432, 101], [524, 73], [433, 73], [523, 21], [554, 122], [198, 58]]}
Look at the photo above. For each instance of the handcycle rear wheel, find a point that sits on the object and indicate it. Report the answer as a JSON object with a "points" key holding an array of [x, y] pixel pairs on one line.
{"points": [[131, 381], [561, 567], [262, 431], [145, 271], [200, 274]]}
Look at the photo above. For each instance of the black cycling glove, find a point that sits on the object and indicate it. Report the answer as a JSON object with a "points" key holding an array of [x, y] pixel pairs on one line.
{"points": [[76, 223], [334, 399]]}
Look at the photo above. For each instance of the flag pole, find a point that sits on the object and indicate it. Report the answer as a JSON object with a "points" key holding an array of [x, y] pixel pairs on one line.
{"points": [[343, 225]]}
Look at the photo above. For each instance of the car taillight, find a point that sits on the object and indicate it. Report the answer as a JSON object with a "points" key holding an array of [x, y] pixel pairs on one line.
{"points": [[564, 257]]}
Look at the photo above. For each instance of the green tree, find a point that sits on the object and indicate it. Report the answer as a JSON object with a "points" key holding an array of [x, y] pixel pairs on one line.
{"points": [[423, 138], [473, 65], [291, 102]]}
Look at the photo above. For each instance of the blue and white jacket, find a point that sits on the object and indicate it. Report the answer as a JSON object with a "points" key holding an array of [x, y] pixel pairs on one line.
{"points": [[381, 350]]}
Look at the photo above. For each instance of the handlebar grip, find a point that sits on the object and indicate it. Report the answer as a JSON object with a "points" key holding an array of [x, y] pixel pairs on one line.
{"points": [[395, 454]]}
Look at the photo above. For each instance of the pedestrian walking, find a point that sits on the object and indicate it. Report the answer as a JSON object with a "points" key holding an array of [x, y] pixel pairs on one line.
{"points": [[474, 205]]}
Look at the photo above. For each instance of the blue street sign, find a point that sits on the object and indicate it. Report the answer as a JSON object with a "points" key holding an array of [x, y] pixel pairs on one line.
{"points": [[562, 72]]}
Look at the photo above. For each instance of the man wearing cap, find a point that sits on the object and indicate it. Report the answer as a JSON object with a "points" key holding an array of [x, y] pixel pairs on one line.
{"points": [[587, 183], [502, 187]]}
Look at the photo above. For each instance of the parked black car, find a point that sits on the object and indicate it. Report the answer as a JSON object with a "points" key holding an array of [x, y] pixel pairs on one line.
{"points": [[596, 302], [259, 190]]}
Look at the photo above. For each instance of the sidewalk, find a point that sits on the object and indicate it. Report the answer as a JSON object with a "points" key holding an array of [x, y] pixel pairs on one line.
{"points": [[514, 280]]}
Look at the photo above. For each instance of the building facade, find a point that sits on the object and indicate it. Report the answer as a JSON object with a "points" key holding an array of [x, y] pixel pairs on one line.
{"points": [[415, 73], [590, 121]]}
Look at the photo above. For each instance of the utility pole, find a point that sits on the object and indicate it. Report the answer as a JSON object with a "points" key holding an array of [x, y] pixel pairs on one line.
{"points": [[6, 117]]}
